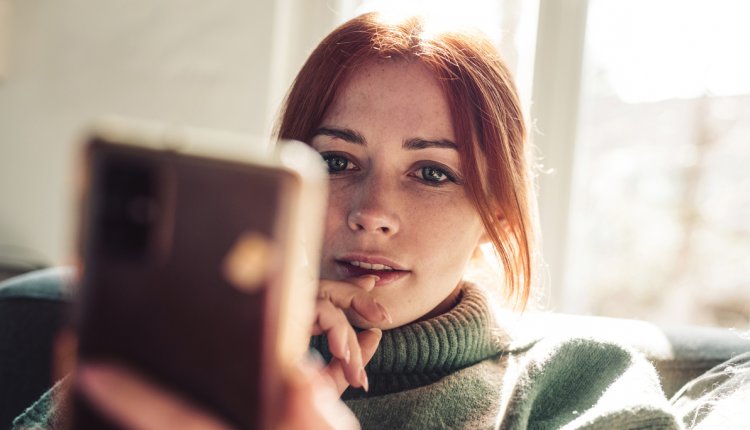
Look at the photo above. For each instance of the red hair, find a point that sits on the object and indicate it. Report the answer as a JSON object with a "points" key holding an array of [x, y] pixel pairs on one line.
{"points": [[485, 110]]}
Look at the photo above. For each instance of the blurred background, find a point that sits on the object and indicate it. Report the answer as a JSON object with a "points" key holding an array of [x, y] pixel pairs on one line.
{"points": [[640, 113]]}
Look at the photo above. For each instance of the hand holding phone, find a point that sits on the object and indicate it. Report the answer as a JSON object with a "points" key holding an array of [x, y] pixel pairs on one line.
{"points": [[311, 402], [199, 270]]}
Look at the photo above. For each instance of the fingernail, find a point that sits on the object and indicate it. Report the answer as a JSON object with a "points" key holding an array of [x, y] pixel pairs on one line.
{"points": [[347, 354], [384, 313], [377, 331], [375, 277], [363, 379]]}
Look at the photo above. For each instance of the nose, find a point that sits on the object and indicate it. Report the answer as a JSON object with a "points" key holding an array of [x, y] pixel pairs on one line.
{"points": [[373, 221], [374, 211]]}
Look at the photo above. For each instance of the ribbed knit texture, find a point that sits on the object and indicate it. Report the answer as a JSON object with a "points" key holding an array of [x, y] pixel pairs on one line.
{"points": [[457, 371], [421, 353]]}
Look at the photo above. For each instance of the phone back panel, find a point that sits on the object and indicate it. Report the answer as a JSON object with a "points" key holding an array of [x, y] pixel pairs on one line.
{"points": [[182, 257]]}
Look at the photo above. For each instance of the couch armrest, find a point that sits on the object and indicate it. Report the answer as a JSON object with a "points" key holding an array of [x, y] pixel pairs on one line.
{"points": [[679, 353], [695, 350], [32, 307]]}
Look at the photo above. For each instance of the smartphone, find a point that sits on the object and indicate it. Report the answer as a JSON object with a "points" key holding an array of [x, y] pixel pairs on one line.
{"points": [[199, 266]]}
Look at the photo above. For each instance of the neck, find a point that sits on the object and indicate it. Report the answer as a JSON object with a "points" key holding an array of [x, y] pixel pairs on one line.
{"points": [[422, 352], [445, 306]]}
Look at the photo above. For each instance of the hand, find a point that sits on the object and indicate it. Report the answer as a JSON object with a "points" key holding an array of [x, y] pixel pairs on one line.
{"points": [[351, 351], [135, 403], [312, 402], [312, 397]]}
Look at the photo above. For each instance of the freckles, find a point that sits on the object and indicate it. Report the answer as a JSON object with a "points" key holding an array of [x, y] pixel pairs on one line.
{"points": [[334, 215], [335, 210], [448, 208], [340, 198]]}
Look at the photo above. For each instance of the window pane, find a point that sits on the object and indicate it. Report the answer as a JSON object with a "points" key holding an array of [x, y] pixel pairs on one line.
{"points": [[661, 203]]}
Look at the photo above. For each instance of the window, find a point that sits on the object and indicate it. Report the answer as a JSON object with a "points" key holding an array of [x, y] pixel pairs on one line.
{"points": [[660, 209]]}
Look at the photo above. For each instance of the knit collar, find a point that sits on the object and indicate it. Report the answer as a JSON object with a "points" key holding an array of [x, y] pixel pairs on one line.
{"points": [[420, 353]]}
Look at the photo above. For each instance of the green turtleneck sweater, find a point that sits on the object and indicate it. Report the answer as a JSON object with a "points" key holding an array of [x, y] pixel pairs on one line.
{"points": [[458, 370]]}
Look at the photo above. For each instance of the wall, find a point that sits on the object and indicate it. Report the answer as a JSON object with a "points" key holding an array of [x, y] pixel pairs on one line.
{"points": [[218, 63]]}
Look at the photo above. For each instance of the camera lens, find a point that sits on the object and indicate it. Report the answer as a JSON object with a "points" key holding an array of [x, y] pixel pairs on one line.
{"points": [[128, 208]]}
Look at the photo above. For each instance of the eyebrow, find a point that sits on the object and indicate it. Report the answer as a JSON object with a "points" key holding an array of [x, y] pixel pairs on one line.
{"points": [[352, 136], [345, 134], [417, 143]]}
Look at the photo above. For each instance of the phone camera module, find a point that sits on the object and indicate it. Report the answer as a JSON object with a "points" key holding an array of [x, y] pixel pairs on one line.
{"points": [[128, 208]]}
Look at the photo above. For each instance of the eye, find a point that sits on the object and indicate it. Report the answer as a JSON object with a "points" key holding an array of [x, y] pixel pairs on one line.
{"points": [[436, 175], [336, 162], [433, 174]]}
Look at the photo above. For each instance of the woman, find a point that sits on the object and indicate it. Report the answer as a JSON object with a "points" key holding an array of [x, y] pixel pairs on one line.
{"points": [[425, 142]]}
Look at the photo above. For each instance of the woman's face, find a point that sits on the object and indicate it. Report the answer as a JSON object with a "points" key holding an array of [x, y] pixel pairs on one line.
{"points": [[397, 207]]}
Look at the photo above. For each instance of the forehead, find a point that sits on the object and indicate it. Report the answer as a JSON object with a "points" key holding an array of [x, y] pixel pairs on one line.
{"points": [[397, 95]]}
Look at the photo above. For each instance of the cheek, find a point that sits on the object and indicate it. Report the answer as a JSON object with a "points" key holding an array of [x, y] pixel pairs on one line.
{"points": [[447, 217], [445, 233], [335, 219]]}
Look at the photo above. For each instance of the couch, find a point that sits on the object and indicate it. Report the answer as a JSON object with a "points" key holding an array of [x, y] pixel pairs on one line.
{"points": [[33, 307]]}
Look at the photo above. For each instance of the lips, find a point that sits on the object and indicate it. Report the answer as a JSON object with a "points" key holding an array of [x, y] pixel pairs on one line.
{"points": [[351, 266]]}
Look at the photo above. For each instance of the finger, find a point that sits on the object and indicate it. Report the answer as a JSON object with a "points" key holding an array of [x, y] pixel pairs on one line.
{"points": [[342, 342], [368, 341], [369, 308], [347, 295], [366, 282], [65, 349], [354, 370], [313, 402], [137, 404], [332, 321], [360, 283]]}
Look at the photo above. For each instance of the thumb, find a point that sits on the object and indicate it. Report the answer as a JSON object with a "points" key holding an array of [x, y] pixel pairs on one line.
{"points": [[368, 343]]}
